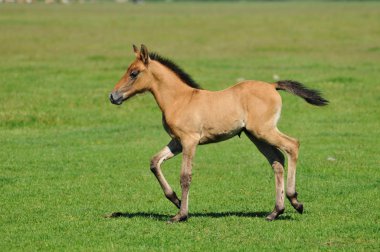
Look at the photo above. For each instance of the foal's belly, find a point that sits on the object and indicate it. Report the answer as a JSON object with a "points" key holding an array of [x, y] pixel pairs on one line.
{"points": [[213, 134], [220, 137]]}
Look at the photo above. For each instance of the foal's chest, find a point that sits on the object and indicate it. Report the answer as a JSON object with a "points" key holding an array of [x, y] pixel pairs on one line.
{"points": [[166, 127]]}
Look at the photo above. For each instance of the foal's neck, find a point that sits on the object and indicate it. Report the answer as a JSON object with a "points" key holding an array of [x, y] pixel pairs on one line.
{"points": [[169, 91]]}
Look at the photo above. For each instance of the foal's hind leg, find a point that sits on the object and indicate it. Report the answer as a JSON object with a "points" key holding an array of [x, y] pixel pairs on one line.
{"points": [[276, 160], [292, 153], [290, 146], [172, 149]]}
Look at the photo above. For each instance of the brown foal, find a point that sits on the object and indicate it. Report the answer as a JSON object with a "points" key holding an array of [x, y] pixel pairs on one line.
{"points": [[193, 116]]}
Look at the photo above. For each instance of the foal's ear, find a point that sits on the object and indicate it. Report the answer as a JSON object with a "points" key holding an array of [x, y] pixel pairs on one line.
{"points": [[144, 55], [136, 51]]}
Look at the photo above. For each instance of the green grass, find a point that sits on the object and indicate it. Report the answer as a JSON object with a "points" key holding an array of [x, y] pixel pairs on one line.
{"points": [[67, 156]]}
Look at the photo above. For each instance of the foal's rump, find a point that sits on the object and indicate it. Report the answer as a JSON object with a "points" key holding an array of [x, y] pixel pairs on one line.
{"points": [[262, 103]]}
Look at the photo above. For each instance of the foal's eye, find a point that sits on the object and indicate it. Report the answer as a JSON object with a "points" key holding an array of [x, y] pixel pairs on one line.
{"points": [[134, 74]]}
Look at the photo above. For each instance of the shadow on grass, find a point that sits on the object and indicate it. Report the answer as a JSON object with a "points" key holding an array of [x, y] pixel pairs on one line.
{"points": [[165, 217]]}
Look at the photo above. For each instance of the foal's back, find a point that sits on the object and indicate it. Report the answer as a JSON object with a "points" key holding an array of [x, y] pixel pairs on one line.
{"points": [[244, 100]]}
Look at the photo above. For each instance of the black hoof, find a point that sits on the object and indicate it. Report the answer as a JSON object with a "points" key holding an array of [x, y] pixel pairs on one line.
{"points": [[177, 218], [294, 202], [299, 208], [273, 215]]}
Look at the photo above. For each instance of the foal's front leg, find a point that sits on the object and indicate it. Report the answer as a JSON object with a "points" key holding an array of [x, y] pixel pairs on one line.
{"points": [[187, 159], [172, 149]]}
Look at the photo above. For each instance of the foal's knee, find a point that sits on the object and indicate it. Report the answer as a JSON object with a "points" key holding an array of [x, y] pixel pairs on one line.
{"points": [[278, 168]]}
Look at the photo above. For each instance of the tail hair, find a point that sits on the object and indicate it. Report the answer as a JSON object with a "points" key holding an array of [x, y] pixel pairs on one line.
{"points": [[311, 96]]}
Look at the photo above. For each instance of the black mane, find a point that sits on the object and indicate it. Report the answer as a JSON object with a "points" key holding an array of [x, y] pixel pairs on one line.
{"points": [[176, 69]]}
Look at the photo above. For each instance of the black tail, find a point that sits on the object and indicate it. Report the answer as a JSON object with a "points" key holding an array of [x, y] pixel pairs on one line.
{"points": [[310, 95]]}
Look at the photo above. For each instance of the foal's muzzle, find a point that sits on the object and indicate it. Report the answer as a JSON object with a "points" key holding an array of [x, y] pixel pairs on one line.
{"points": [[116, 98]]}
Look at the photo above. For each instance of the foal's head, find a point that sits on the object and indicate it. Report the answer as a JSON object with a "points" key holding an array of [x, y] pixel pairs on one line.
{"points": [[136, 80]]}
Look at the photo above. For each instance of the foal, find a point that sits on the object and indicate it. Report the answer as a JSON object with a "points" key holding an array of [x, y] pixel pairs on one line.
{"points": [[193, 116]]}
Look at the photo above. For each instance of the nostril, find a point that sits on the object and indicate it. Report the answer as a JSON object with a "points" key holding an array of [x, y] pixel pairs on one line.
{"points": [[115, 98]]}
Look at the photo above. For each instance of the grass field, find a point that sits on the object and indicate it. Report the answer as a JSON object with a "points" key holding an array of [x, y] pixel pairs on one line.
{"points": [[68, 157]]}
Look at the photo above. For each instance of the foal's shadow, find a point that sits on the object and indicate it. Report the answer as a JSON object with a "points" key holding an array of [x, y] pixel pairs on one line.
{"points": [[165, 217]]}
